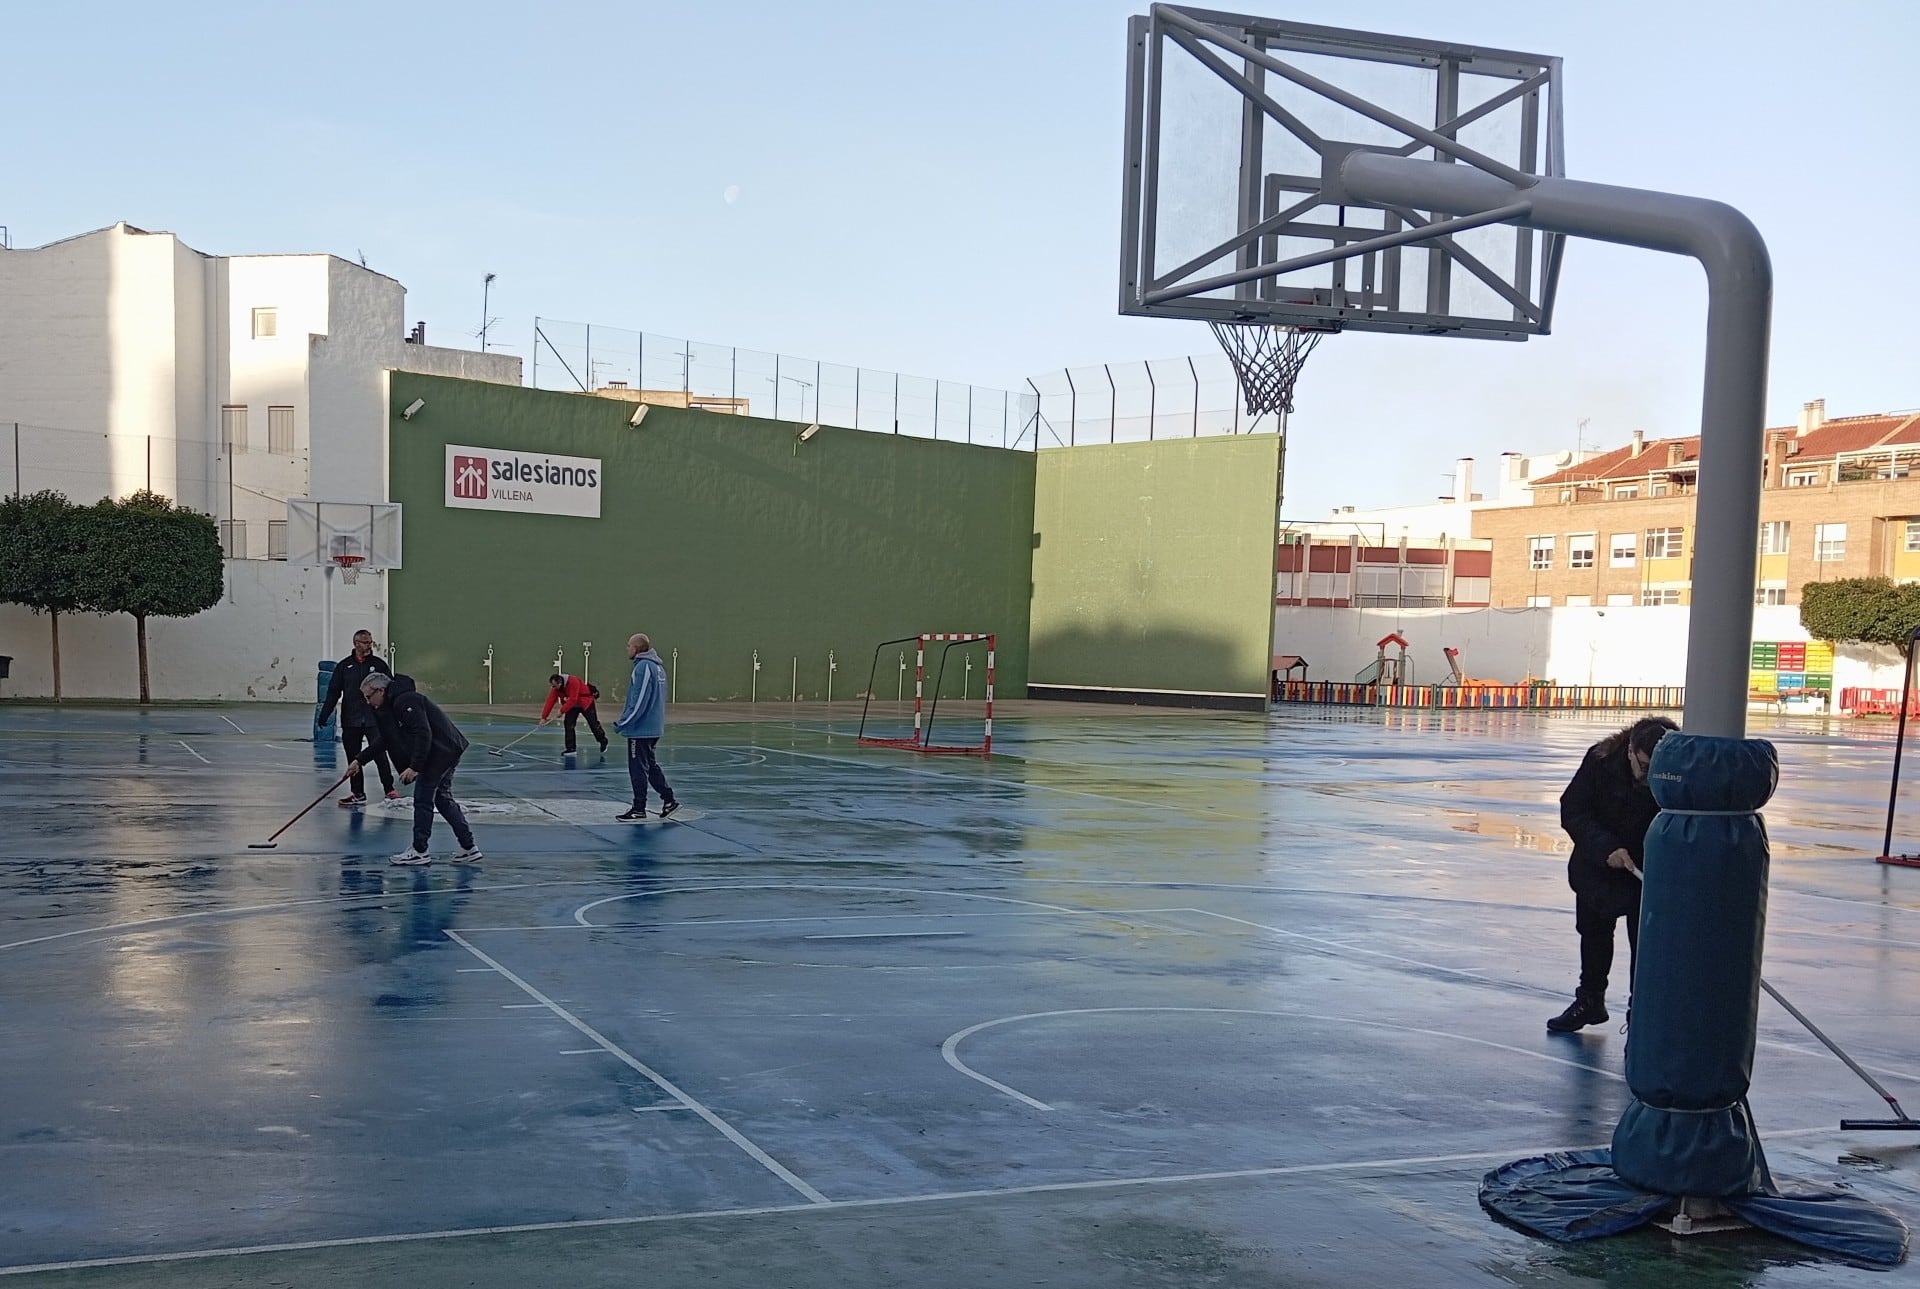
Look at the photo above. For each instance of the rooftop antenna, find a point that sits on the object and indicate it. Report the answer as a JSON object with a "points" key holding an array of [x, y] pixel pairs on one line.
{"points": [[1580, 436], [486, 291]]}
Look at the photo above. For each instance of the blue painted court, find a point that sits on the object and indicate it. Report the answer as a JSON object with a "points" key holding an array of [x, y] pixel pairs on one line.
{"points": [[1150, 998]]}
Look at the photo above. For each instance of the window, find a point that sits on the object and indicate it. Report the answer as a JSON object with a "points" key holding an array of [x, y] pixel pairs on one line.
{"points": [[266, 324], [1327, 586], [1660, 595], [1913, 535], [1658, 488], [233, 429], [1665, 543], [1774, 533], [1286, 586], [1623, 551], [1579, 601], [1472, 590], [1619, 601], [1829, 543], [1625, 491], [1379, 582], [1539, 601], [1424, 586], [1539, 553], [1803, 478], [1580, 550], [233, 538], [1770, 593], [280, 430], [1566, 495], [276, 539]]}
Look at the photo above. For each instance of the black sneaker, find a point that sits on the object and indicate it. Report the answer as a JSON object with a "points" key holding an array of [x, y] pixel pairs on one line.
{"points": [[603, 745], [669, 808], [1582, 1012], [633, 816]]}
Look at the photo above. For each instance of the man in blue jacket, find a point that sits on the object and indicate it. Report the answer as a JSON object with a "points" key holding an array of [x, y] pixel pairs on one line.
{"points": [[642, 722]]}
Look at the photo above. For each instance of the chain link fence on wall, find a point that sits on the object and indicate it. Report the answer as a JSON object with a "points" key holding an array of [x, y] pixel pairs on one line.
{"points": [[584, 358], [1163, 398]]}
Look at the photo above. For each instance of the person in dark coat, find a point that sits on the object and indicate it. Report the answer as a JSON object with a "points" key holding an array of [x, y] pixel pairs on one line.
{"points": [[1607, 809], [427, 747], [357, 723]]}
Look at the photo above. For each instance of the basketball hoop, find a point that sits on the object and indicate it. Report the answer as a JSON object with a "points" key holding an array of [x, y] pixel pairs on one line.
{"points": [[1267, 358], [349, 566]]}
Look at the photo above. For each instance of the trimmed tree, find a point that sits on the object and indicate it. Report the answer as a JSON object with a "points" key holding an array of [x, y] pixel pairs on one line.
{"points": [[39, 565], [145, 556], [1861, 610]]}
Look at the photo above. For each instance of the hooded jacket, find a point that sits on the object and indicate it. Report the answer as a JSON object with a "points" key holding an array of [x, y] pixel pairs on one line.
{"points": [[344, 691], [573, 692], [1605, 809], [645, 712], [414, 731]]}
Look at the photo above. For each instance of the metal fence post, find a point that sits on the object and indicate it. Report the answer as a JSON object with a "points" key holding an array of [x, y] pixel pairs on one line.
{"points": [[1073, 408], [1196, 395], [1113, 405], [1153, 392]]}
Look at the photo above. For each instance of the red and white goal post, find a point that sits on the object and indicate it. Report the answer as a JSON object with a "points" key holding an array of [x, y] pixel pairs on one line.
{"points": [[926, 702]]}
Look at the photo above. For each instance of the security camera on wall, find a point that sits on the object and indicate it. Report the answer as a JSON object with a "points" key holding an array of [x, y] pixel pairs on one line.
{"points": [[411, 408], [639, 415]]}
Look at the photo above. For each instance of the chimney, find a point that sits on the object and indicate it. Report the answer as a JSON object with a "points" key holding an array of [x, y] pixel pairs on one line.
{"points": [[1463, 479], [1639, 443], [1813, 415], [1676, 453]]}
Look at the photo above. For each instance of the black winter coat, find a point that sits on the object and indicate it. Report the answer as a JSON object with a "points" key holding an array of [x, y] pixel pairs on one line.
{"points": [[344, 690], [414, 732], [1605, 809]]}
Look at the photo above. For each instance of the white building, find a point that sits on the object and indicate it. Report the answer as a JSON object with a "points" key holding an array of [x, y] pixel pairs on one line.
{"points": [[1451, 516], [230, 383]]}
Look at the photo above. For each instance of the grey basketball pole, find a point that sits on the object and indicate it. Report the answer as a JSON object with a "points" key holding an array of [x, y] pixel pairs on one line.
{"points": [[1732, 408]]}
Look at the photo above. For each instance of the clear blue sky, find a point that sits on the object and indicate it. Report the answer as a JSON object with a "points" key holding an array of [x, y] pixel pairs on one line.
{"points": [[935, 189]]}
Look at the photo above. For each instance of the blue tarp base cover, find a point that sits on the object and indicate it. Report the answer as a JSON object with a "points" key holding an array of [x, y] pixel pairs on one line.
{"points": [[1576, 1195]]}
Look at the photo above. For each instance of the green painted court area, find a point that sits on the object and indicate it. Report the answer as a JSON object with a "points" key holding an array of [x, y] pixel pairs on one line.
{"points": [[1146, 999]]}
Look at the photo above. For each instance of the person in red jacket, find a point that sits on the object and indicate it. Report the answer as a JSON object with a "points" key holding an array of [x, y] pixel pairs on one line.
{"points": [[575, 697]]}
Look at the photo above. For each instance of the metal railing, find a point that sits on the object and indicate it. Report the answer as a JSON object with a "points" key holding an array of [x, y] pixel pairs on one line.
{"points": [[587, 358]]}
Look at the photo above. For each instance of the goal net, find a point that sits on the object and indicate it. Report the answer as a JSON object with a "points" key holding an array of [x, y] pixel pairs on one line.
{"points": [[951, 690]]}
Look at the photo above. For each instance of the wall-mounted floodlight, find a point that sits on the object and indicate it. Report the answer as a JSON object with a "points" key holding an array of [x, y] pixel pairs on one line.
{"points": [[411, 408], [639, 415], [809, 432]]}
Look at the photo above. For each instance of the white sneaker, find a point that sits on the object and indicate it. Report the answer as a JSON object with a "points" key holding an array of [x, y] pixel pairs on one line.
{"points": [[470, 855], [412, 858]]}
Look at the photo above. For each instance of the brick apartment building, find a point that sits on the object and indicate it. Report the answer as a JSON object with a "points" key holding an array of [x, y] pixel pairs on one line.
{"points": [[1841, 498]]}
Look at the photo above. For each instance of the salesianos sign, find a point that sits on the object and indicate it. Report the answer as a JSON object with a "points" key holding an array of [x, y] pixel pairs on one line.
{"points": [[533, 483]]}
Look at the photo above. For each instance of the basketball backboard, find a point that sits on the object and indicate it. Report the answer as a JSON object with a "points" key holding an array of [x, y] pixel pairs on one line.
{"points": [[355, 535], [1234, 209]]}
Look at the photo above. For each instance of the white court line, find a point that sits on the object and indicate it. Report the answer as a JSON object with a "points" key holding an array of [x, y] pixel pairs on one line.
{"points": [[666, 1085], [886, 935], [580, 914], [516, 1007], [645, 1109], [468, 971], [231, 723], [583, 1051], [203, 760], [895, 1201], [950, 1049]]}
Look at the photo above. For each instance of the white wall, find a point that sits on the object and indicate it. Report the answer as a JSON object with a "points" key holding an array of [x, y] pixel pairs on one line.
{"points": [[1577, 646], [260, 642]]}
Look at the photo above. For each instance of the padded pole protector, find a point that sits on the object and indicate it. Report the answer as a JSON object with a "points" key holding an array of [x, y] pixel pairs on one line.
{"points": [[1696, 989]]}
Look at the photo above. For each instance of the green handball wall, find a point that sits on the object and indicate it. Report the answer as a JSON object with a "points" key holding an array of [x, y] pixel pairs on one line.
{"points": [[1153, 566], [718, 536]]}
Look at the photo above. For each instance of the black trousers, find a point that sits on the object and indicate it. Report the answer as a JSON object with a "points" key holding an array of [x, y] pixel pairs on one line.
{"points": [[433, 790], [593, 723], [643, 768], [353, 740], [1594, 917]]}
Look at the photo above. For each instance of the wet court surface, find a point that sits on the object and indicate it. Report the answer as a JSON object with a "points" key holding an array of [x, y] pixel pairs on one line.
{"points": [[1149, 999]]}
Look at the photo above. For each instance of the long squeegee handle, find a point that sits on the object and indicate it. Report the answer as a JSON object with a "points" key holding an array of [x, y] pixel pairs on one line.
{"points": [[310, 805], [523, 738]]}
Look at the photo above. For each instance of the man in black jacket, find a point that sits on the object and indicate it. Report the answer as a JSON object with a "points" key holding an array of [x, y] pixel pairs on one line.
{"points": [[427, 747], [1607, 809], [358, 725]]}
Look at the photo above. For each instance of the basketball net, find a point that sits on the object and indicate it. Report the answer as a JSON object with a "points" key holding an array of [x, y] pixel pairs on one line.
{"points": [[349, 568], [1267, 358]]}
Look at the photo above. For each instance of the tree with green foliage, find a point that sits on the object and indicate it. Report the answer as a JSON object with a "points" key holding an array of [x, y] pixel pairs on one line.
{"points": [[38, 560], [1861, 610], [145, 556]]}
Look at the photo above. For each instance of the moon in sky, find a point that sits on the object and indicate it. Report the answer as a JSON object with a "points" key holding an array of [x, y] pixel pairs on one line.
{"points": [[732, 194]]}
